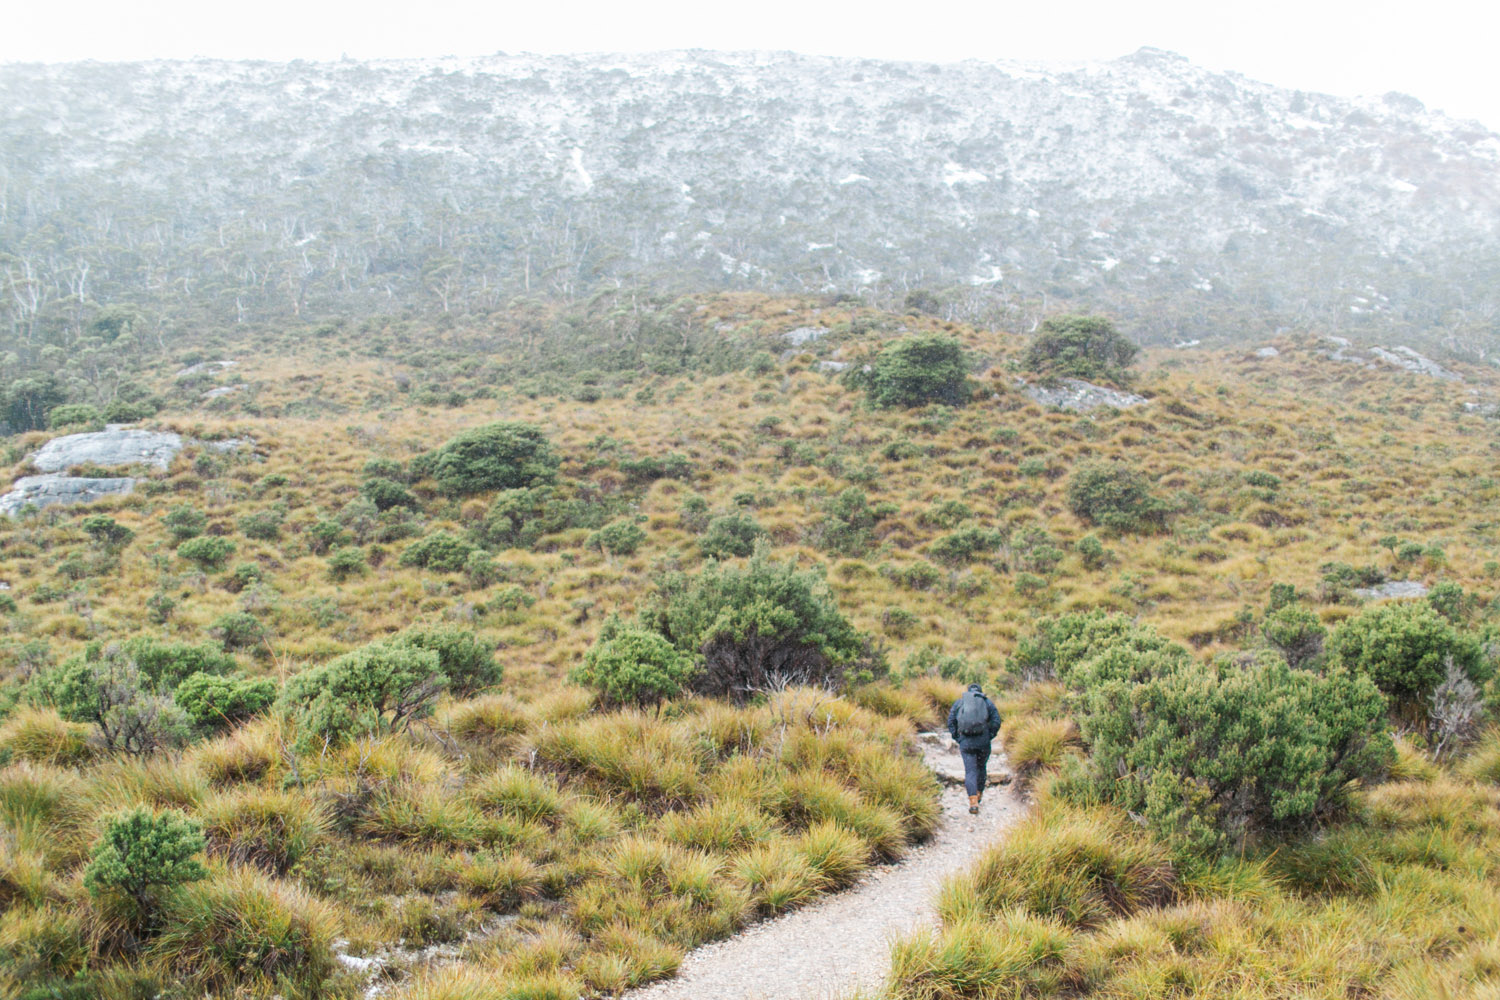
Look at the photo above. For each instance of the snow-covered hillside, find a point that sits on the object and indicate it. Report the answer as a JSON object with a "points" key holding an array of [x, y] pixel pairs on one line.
{"points": [[1186, 201]]}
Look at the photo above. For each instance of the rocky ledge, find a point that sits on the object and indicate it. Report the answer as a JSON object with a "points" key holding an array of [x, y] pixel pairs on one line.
{"points": [[44, 491], [1076, 394]]}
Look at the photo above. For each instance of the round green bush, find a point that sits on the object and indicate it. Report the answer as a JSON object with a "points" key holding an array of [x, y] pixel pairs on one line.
{"points": [[373, 690], [440, 551], [1114, 496], [1402, 647], [1086, 347], [143, 855], [730, 536], [633, 666], [209, 552], [917, 371], [500, 456], [621, 538]]}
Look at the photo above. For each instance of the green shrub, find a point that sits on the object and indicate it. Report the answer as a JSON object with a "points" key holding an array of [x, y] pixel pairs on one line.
{"points": [[243, 575], [1086, 347], [730, 536], [376, 689], [965, 545], [481, 568], [759, 626], [848, 524], [264, 525], [74, 415], [111, 692], [1095, 556], [108, 532], [500, 456], [346, 561], [1401, 646], [1114, 496], [325, 534], [440, 551], [645, 470], [144, 856], [620, 538], [629, 665], [239, 630], [215, 702], [916, 371], [387, 493], [166, 664], [209, 552], [519, 518], [1449, 600], [184, 522], [463, 657], [1296, 633], [1084, 649], [1211, 754]]}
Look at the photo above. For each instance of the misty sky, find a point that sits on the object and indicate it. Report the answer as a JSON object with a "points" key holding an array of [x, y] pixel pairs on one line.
{"points": [[1439, 51]]}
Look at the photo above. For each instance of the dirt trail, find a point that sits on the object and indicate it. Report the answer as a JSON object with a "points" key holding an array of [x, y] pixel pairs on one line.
{"points": [[842, 943]]}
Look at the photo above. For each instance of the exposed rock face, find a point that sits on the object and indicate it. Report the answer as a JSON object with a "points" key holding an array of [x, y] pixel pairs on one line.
{"points": [[205, 368], [1267, 352], [1396, 357], [1396, 590], [805, 335], [1076, 394], [114, 446], [44, 491], [833, 366]]}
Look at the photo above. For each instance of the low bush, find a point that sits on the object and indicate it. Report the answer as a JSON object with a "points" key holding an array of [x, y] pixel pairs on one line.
{"points": [[213, 702], [208, 552], [1402, 647], [379, 688], [499, 456], [1213, 754], [916, 371], [1114, 496], [620, 538], [965, 545], [439, 551], [759, 627], [630, 665], [1086, 347], [143, 856], [730, 536], [463, 657]]}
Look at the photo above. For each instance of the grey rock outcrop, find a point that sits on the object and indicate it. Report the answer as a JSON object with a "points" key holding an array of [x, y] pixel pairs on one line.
{"points": [[205, 368], [44, 491], [1396, 590], [1076, 394], [1267, 352], [805, 335], [111, 447], [1403, 358]]}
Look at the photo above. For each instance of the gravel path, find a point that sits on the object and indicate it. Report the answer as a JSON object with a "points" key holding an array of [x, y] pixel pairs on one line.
{"points": [[843, 943]]}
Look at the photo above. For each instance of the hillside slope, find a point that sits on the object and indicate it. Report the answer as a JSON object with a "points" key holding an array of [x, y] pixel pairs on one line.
{"points": [[1191, 203]]}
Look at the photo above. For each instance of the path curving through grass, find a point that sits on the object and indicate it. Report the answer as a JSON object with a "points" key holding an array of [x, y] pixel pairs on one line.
{"points": [[842, 943]]}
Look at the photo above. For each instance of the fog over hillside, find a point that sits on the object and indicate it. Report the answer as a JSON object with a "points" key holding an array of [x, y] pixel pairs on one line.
{"points": [[1188, 203]]}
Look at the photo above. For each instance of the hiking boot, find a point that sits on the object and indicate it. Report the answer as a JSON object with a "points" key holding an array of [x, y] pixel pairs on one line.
{"points": [[973, 805]]}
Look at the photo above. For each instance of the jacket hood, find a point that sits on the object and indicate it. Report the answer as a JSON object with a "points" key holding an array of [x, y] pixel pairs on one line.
{"points": [[976, 687]]}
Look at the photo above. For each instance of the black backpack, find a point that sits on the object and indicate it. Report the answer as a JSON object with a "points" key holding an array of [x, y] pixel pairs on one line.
{"points": [[973, 714]]}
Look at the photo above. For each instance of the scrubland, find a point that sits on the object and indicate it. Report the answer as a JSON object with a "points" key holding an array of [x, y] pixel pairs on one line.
{"points": [[526, 837]]}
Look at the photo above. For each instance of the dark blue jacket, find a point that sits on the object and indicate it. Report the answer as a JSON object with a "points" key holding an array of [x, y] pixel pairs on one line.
{"points": [[983, 740]]}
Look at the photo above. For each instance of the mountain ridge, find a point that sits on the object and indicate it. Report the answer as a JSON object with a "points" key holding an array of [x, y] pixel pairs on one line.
{"points": [[1186, 201]]}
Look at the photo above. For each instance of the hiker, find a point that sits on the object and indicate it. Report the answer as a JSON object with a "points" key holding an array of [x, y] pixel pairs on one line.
{"points": [[973, 722]]}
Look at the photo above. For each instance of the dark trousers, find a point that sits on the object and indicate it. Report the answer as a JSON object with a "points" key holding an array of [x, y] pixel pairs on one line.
{"points": [[974, 773]]}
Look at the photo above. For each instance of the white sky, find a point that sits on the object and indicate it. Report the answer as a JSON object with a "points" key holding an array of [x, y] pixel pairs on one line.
{"points": [[1440, 51]]}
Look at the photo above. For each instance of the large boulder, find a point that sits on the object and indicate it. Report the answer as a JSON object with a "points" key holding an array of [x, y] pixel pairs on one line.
{"points": [[1076, 394], [44, 491], [113, 446]]}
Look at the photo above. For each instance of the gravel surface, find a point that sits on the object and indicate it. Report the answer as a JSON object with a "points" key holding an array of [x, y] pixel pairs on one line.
{"points": [[843, 943]]}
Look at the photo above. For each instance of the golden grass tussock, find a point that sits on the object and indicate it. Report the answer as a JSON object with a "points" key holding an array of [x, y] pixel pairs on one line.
{"points": [[41, 736]]}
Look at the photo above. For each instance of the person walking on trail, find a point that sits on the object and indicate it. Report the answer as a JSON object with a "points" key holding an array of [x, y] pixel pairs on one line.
{"points": [[973, 722]]}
